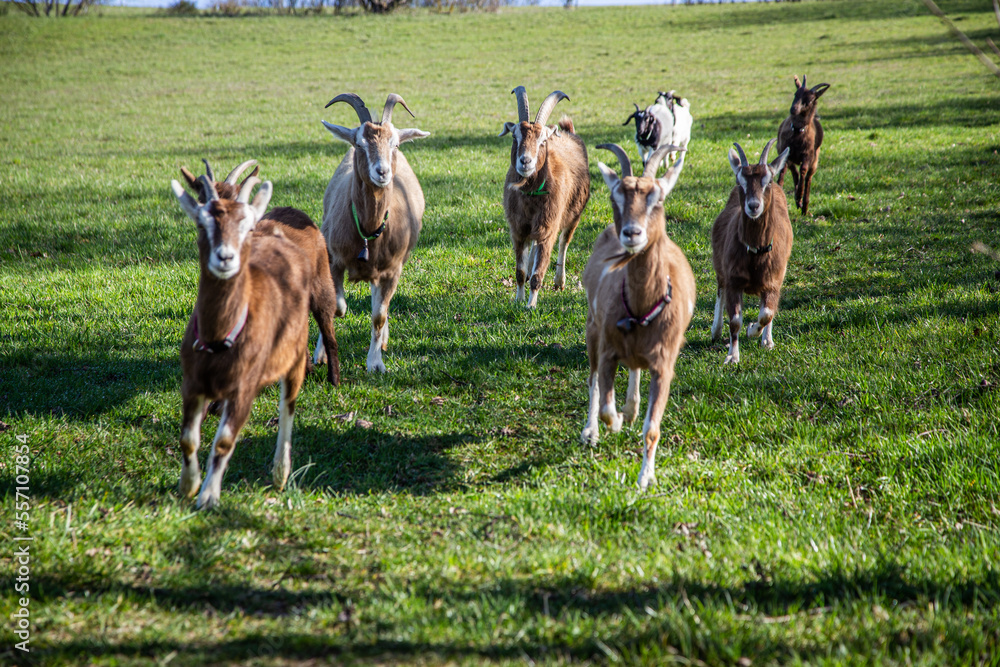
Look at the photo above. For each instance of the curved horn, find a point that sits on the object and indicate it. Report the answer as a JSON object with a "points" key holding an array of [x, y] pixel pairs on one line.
{"points": [[654, 160], [235, 174], [208, 188], [767, 149], [390, 102], [635, 114], [743, 156], [623, 160], [208, 170], [246, 188], [364, 115], [548, 105], [522, 104]]}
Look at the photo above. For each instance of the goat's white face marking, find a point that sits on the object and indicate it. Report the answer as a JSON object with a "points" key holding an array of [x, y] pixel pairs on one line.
{"points": [[224, 256], [527, 147]]}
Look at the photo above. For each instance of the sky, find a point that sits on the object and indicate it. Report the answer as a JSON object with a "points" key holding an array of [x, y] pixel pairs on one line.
{"points": [[543, 3]]}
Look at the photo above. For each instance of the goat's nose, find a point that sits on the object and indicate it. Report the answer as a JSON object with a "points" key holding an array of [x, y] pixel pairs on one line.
{"points": [[381, 169], [631, 232], [224, 254], [525, 159]]}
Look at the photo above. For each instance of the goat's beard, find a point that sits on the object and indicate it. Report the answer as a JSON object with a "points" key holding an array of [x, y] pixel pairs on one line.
{"points": [[616, 262], [520, 184]]}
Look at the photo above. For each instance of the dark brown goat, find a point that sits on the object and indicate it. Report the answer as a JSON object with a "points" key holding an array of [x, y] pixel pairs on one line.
{"points": [[250, 324], [751, 244], [297, 227], [546, 190], [802, 134], [640, 293]]}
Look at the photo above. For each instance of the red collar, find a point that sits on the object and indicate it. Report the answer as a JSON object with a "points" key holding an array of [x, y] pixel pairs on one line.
{"points": [[626, 324], [225, 343]]}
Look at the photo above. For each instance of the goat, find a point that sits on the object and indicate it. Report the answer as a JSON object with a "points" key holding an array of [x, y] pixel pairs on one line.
{"points": [[802, 134], [545, 192], [372, 212], [667, 121], [297, 226], [751, 244], [641, 295], [249, 327]]}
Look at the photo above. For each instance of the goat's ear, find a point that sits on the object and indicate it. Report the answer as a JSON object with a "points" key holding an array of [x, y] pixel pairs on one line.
{"points": [[779, 162], [734, 162], [412, 133], [610, 177], [548, 131], [798, 84], [507, 128], [820, 89], [345, 134], [669, 180], [263, 198], [187, 202]]}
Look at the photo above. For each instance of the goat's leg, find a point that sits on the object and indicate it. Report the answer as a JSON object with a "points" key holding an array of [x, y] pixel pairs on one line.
{"points": [[720, 309], [590, 430], [543, 254], [762, 327], [560, 281], [631, 409], [522, 256], [234, 415], [795, 181], [382, 293], [807, 177], [290, 385], [193, 414], [323, 304], [337, 274], [659, 392], [607, 367], [734, 308]]}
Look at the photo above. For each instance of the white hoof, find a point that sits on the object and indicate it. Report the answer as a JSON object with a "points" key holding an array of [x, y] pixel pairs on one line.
{"points": [[731, 359], [376, 367], [190, 480], [208, 500], [341, 306], [319, 356], [590, 436], [754, 330], [646, 477], [630, 411]]}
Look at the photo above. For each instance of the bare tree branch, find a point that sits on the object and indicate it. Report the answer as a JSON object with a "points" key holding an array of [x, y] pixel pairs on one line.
{"points": [[931, 5]]}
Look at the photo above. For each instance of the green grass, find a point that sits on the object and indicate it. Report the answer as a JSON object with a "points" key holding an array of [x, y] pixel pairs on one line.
{"points": [[834, 501]]}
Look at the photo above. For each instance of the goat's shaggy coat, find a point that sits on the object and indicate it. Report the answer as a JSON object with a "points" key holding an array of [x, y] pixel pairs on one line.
{"points": [[372, 189], [264, 280], [640, 293], [751, 244], [545, 192], [802, 134]]}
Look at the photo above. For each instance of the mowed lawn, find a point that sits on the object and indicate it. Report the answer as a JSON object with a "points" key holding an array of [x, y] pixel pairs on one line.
{"points": [[833, 501]]}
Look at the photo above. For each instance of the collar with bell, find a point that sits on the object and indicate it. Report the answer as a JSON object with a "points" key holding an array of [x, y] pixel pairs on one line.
{"points": [[363, 255], [627, 324], [760, 250], [221, 345]]}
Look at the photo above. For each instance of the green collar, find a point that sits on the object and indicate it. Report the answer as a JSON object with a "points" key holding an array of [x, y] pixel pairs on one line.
{"points": [[378, 232], [539, 191]]}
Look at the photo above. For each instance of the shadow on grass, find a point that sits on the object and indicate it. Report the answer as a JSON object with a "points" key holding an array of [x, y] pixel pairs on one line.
{"points": [[669, 614]]}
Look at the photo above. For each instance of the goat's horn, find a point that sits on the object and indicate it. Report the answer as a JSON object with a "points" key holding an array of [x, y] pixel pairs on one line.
{"points": [[208, 170], [654, 160], [390, 102], [208, 188], [247, 188], [548, 105], [364, 115], [767, 149], [803, 80], [235, 174], [522, 104], [743, 156], [623, 160], [635, 114]]}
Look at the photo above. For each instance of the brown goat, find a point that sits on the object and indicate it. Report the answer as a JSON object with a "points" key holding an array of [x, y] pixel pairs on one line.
{"points": [[802, 134], [249, 328], [546, 190], [751, 244], [297, 227], [641, 294], [372, 212]]}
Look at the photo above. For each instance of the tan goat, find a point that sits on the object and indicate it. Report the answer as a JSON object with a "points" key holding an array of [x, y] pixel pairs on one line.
{"points": [[751, 244], [546, 190], [372, 214], [249, 328], [802, 134], [298, 228], [641, 294]]}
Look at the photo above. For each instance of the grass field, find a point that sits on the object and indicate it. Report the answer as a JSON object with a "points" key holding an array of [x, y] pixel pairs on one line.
{"points": [[833, 501]]}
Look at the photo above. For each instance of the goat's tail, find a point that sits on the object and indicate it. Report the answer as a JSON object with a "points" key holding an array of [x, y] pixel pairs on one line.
{"points": [[566, 124]]}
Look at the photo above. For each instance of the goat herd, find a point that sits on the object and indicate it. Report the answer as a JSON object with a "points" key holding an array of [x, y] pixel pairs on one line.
{"points": [[263, 272]]}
